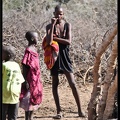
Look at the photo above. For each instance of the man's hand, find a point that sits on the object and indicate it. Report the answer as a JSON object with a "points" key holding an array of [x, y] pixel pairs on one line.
{"points": [[54, 20]]}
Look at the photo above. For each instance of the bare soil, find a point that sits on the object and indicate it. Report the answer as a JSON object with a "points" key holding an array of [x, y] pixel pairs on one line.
{"points": [[69, 108]]}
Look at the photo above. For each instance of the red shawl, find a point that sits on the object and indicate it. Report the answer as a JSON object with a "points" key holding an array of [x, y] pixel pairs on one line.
{"points": [[50, 52]]}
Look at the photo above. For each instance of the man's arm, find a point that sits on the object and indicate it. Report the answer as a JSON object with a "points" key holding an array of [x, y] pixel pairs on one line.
{"points": [[66, 41], [50, 30]]}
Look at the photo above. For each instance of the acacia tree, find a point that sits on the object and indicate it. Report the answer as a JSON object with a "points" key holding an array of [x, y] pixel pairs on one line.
{"points": [[107, 82], [108, 38], [110, 99]]}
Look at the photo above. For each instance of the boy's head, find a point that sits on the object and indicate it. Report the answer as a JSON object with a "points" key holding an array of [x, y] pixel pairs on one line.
{"points": [[58, 13], [32, 37], [8, 53]]}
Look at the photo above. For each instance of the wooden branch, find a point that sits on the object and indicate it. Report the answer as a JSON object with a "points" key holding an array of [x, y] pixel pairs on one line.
{"points": [[96, 85], [5, 35], [110, 99], [28, 20], [107, 81], [36, 29], [85, 76]]}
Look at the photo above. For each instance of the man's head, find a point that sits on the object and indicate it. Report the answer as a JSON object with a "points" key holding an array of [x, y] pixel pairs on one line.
{"points": [[58, 13]]}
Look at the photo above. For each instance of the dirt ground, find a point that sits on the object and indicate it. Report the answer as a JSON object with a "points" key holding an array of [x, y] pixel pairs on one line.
{"points": [[47, 108]]}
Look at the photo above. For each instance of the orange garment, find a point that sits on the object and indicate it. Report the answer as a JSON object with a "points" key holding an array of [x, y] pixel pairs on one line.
{"points": [[50, 52]]}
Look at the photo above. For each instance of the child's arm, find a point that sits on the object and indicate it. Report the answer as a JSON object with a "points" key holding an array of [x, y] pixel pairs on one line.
{"points": [[25, 72]]}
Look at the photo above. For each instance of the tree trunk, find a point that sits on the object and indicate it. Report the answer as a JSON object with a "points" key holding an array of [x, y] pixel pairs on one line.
{"points": [[110, 99], [96, 86], [107, 81]]}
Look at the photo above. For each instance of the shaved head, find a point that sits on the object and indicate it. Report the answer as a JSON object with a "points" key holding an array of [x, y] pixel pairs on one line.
{"points": [[30, 34], [58, 8]]}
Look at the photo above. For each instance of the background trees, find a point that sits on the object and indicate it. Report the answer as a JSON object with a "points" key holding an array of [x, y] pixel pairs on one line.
{"points": [[90, 19]]}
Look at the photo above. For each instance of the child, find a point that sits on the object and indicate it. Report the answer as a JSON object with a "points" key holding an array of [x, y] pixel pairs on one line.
{"points": [[31, 72], [11, 83], [60, 31]]}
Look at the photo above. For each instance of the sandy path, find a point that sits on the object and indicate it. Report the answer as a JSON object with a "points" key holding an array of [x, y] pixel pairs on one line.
{"points": [[68, 105]]}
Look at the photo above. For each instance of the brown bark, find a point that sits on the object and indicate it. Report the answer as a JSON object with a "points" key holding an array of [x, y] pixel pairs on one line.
{"points": [[110, 99], [107, 81], [96, 86]]}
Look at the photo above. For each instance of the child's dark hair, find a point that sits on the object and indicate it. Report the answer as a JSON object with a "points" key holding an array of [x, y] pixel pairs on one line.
{"points": [[29, 35], [9, 51]]}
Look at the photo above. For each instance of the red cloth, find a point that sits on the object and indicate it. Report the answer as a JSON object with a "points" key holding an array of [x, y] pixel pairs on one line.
{"points": [[50, 52], [31, 59]]}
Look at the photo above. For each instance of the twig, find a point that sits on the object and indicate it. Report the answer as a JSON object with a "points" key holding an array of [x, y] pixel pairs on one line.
{"points": [[85, 76]]}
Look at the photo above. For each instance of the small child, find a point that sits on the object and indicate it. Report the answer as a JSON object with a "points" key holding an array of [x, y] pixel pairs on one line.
{"points": [[11, 83], [31, 93]]}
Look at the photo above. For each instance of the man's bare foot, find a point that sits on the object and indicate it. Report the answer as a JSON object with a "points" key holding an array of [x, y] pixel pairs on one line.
{"points": [[81, 114], [58, 116]]}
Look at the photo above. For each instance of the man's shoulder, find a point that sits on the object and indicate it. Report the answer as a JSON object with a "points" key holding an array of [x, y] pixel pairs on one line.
{"points": [[49, 25], [67, 23]]}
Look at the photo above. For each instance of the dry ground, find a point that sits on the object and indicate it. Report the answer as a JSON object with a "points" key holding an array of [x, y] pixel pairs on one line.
{"points": [[47, 109]]}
